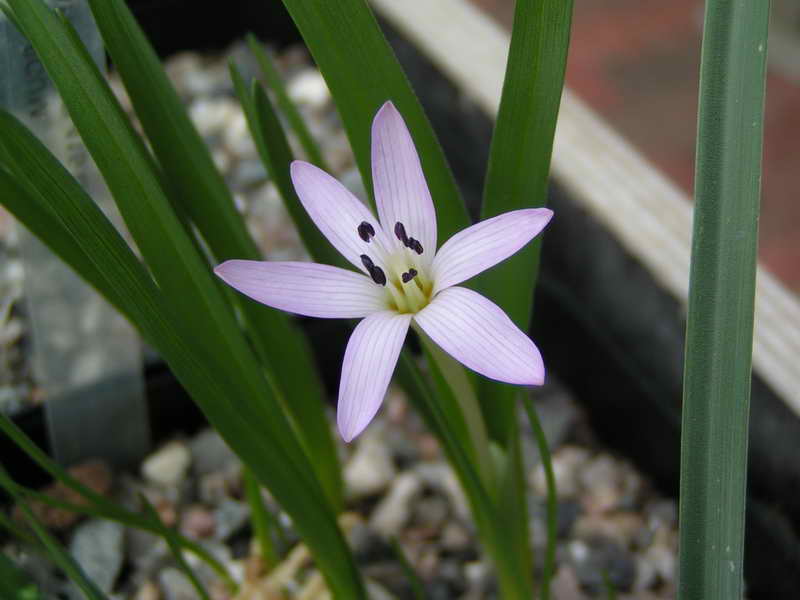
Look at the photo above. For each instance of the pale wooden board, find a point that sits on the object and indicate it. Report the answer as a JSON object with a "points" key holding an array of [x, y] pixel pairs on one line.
{"points": [[647, 212]]}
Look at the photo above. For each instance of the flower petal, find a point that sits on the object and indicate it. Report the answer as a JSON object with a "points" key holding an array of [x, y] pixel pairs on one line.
{"points": [[335, 211], [485, 244], [368, 365], [401, 192], [476, 332], [305, 288]]}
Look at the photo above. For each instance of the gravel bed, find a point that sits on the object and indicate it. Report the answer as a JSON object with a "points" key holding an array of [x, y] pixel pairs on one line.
{"points": [[611, 522]]}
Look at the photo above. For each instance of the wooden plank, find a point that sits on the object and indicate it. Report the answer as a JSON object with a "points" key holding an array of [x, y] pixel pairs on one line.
{"points": [[650, 216]]}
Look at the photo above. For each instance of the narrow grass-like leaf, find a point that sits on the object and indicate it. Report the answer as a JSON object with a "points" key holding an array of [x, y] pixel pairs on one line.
{"points": [[59, 556], [15, 530], [270, 139], [363, 73], [95, 504], [414, 582], [611, 591], [14, 583], [262, 520], [224, 383], [195, 184], [552, 496], [513, 567], [519, 165], [285, 104], [175, 547], [719, 330]]}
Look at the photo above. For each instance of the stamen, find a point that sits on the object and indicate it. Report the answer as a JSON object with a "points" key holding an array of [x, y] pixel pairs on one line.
{"points": [[366, 231], [378, 276], [400, 232], [406, 277], [367, 262]]}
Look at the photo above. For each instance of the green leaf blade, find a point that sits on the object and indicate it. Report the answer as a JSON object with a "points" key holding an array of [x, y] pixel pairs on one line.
{"points": [[719, 332], [285, 104], [519, 167], [363, 73]]}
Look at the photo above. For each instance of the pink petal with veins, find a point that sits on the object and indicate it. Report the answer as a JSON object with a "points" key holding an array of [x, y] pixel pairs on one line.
{"points": [[477, 333], [369, 362], [302, 288], [401, 192], [485, 244], [336, 212]]}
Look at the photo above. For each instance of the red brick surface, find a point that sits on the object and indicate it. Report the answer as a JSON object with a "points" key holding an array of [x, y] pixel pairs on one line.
{"points": [[637, 64]]}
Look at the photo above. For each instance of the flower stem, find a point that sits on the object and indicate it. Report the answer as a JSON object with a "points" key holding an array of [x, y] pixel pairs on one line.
{"points": [[455, 375], [552, 498]]}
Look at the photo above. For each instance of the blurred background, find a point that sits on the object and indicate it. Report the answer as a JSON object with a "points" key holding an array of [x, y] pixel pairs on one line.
{"points": [[637, 64]]}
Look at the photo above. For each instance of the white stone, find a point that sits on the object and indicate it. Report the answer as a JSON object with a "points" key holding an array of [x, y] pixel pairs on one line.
{"points": [[237, 138], [212, 115], [97, 546], [167, 466], [567, 463], [309, 87], [370, 469], [394, 511]]}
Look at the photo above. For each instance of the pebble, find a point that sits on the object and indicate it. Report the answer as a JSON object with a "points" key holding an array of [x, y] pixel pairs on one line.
{"points": [[440, 477], [237, 139], [211, 115], [148, 591], [210, 453], [431, 512], [230, 516], [590, 559], [97, 546], [168, 465], [622, 527], [197, 522], [601, 478], [370, 469], [94, 474], [455, 537], [309, 87], [565, 585], [394, 510], [567, 464], [175, 585]]}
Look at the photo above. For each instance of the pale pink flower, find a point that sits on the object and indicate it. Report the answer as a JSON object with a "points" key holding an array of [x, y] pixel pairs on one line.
{"points": [[403, 277]]}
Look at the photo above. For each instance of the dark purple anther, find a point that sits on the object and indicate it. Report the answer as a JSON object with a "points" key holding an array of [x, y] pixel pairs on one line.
{"points": [[415, 245], [366, 231], [406, 277], [378, 276], [367, 262], [400, 232]]}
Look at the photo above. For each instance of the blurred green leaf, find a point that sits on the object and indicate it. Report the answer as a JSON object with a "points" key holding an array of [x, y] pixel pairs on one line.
{"points": [[59, 556], [363, 73], [438, 411], [14, 583], [95, 504], [519, 161], [263, 521], [719, 330], [519, 165], [549, 566], [200, 339], [195, 184], [270, 139], [285, 104], [174, 546]]}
